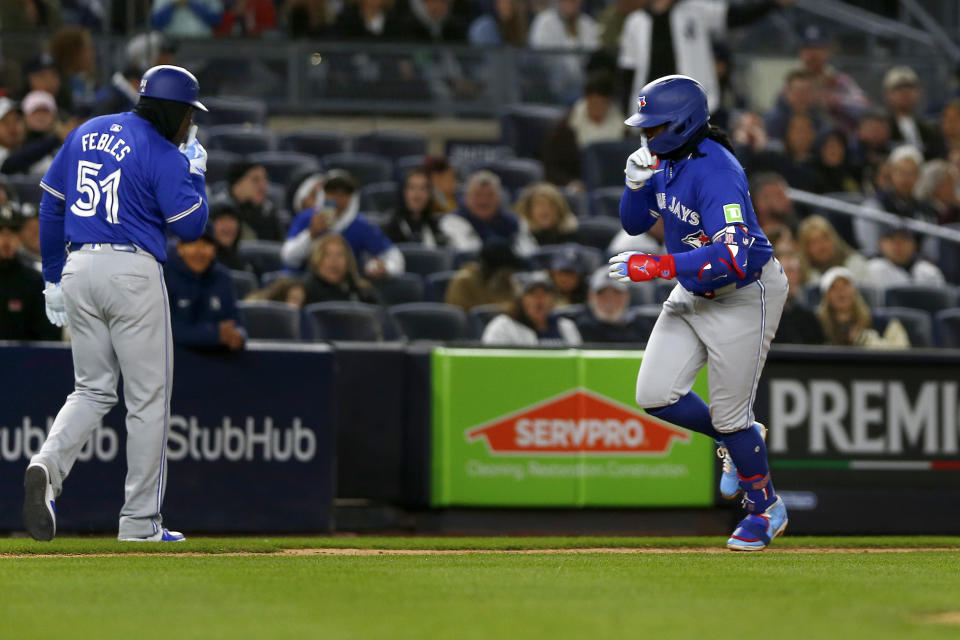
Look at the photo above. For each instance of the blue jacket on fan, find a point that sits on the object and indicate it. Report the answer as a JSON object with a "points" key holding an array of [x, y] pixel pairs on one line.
{"points": [[199, 303]]}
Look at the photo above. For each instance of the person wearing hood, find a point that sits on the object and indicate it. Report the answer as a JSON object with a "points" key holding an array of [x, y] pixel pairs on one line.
{"points": [[415, 220], [225, 226], [120, 94], [834, 173], [339, 213], [248, 193], [203, 307]]}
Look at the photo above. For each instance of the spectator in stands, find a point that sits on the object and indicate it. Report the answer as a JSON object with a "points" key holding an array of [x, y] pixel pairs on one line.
{"points": [[529, 322], [444, 180], [592, 118], [22, 309], [611, 19], [899, 263], [203, 308], [186, 18], [415, 219], [367, 20], [121, 94], [546, 214], [674, 36], [799, 97], [147, 50], [507, 24], [798, 323], [76, 59], [782, 240], [304, 190], [434, 21], [307, 18], [44, 135], [732, 98], [795, 164], [938, 187], [30, 15], [845, 316], [30, 238], [771, 203], [842, 97], [89, 14], [247, 194], [870, 147], [334, 275], [605, 318], [564, 26], [899, 199], [289, 290], [567, 275], [950, 125], [483, 209], [822, 248], [901, 88], [42, 75], [339, 213], [831, 166], [250, 18], [751, 143], [487, 280], [11, 128], [225, 226]]}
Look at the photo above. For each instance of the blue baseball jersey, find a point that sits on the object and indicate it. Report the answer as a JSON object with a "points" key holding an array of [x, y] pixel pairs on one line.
{"points": [[699, 201], [118, 180]]}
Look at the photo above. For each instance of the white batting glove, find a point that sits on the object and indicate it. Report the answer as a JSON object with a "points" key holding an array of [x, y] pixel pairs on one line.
{"points": [[619, 269], [56, 312], [641, 165], [195, 152]]}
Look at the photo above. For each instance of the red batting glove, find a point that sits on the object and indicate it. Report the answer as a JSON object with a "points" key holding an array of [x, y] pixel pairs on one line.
{"points": [[642, 267]]}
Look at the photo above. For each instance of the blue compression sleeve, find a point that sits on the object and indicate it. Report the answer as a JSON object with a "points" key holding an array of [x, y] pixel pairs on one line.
{"points": [[638, 210], [52, 243]]}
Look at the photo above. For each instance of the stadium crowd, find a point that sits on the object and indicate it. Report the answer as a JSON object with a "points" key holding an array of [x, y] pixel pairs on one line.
{"points": [[316, 235]]}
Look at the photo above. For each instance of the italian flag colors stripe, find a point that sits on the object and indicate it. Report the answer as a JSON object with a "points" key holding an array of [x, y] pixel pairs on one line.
{"points": [[869, 465]]}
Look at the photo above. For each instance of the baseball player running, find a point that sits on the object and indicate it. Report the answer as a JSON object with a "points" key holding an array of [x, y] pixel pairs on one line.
{"points": [[116, 186], [725, 310]]}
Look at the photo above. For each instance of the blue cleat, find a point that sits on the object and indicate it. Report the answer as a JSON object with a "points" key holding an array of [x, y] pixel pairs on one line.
{"points": [[729, 482], [163, 535], [39, 508], [756, 531]]}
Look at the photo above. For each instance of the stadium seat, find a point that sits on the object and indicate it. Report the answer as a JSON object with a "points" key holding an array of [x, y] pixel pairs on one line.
{"points": [[461, 258], [430, 321], [917, 323], [282, 165], [578, 202], [525, 127], [949, 254], [643, 318], [481, 315], [591, 257], [379, 196], [391, 144], [316, 143], [568, 311], [242, 139], [424, 260], [435, 285], [243, 283], [345, 321], [929, 298], [516, 173], [231, 110], [263, 254], [365, 168], [404, 164], [269, 277], [605, 201], [270, 320], [597, 232], [26, 188], [602, 163], [946, 328], [407, 287], [218, 162]]}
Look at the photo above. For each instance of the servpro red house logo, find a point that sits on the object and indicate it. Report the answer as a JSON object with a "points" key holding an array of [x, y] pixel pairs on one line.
{"points": [[578, 422]]}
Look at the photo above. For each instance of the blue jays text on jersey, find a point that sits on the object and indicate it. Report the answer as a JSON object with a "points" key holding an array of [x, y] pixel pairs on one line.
{"points": [[709, 224], [117, 180]]}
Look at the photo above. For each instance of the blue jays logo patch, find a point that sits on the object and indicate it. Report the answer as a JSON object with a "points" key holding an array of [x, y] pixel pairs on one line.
{"points": [[641, 102], [696, 239]]}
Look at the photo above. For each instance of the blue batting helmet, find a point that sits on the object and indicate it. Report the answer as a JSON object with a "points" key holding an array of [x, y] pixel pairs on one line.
{"points": [[167, 82], [677, 100]]}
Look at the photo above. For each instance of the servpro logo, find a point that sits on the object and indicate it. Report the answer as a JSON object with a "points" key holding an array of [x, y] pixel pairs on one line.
{"points": [[578, 422]]}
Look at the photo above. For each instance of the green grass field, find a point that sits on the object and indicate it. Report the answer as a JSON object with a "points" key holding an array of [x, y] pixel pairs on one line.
{"points": [[92, 587]]}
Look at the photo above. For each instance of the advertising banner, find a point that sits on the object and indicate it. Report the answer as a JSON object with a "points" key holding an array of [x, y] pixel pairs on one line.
{"points": [[557, 428], [250, 444]]}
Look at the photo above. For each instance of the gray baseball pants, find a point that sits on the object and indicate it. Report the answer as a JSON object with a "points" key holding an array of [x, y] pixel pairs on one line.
{"points": [[119, 318], [730, 333]]}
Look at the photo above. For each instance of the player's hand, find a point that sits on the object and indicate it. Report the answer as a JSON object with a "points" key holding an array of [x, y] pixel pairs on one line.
{"points": [[195, 152], [56, 312], [633, 266], [319, 223], [375, 269], [641, 165]]}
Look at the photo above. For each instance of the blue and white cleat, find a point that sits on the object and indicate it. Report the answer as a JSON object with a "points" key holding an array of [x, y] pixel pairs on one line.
{"points": [[39, 507], [729, 481], [164, 535], [756, 531]]}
